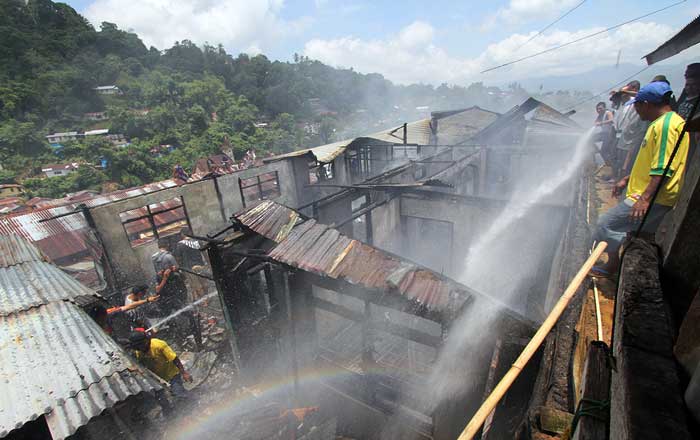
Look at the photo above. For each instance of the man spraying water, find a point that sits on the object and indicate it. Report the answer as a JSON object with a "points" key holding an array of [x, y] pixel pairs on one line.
{"points": [[171, 287], [158, 357]]}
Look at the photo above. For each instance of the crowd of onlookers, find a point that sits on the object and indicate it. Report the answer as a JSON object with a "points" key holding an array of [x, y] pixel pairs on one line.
{"points": [[644, 139]]}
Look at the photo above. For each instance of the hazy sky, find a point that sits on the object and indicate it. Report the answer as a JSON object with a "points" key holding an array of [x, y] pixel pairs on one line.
{"points": [[409, 41]]}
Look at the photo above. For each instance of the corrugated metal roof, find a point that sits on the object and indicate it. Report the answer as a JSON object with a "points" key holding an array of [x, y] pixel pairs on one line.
{"points": [[459, 125], [685, 38], [517, 118], [14, 250], [417, 132], [320, 249], [270, 219], [54, 359], [35, 283]]}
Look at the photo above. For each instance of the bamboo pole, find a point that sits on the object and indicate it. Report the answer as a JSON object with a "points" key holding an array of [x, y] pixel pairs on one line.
{"points": [[598, 319], [497, 394]]}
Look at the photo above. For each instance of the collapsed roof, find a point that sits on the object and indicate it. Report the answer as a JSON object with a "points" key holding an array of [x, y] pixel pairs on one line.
{"points": [[322, 250]]}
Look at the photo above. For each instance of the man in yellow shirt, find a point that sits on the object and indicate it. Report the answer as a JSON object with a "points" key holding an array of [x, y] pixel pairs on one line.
{"points": [[653, 103], [158, 357]]}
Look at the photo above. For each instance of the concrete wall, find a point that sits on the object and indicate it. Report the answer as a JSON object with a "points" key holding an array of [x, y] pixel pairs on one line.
{"points": [[526, 248], [132, 265], [208, 210], [468, 219], [386, 226]]}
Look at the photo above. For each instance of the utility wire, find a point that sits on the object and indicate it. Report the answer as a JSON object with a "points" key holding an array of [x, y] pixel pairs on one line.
{"points": [[551, 24], [552, 49], [607, 90]]}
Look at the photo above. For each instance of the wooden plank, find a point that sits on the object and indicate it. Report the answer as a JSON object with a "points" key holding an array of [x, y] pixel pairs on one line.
{"points": [[388, 327], [490, 383], [555, 421], [594, 407]]}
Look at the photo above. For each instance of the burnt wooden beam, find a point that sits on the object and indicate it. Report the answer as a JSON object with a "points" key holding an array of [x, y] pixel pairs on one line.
{"points": [[387, 327], [392, 300]]}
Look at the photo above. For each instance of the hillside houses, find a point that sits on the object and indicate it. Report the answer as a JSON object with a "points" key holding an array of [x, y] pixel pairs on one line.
{"points": [[59, 170]]}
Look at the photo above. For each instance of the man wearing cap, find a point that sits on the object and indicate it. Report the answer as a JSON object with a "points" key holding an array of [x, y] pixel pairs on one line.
{"points": [[653, 104], [158, 357]]}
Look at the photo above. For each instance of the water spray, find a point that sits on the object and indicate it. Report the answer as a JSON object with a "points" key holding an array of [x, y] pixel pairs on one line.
{"points": [[179, 312]]}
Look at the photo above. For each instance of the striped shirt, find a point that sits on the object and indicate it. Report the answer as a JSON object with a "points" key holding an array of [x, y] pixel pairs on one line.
{"points": [[653, 156]]}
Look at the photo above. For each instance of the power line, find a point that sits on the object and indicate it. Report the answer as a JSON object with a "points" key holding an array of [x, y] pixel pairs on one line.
{"points": [[551, 49], [606, 90], [551, 24]]}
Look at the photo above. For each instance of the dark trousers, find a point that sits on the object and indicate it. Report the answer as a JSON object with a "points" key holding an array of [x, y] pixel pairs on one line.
{"points": [[177, 392]]}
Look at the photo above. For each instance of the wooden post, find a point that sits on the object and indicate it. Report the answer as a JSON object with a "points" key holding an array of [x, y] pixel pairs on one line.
{"points": [[595, 398], [490, 382], [218, 268], [291, 335]]}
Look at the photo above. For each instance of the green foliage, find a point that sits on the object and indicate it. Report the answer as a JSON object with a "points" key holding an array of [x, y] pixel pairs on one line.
{"points": [[85, 178], [188, 96]]}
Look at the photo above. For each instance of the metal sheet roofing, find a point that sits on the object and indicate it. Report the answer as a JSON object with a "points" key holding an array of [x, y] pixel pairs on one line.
{"points": [[35, 283], [62, 237], [270, 219], [685, 38], [54, 359], [14, 250], [459, 125], [517, 118], [322, 250], [417, 132]]}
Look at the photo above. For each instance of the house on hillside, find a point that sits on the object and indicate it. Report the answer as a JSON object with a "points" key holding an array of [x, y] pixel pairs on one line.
{"points": [[96, 116], [57, 138], [162, 149], [108, 90], [11, 190], [57, 170]]}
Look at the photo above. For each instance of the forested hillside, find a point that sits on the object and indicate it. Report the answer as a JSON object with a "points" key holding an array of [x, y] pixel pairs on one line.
{"points": [[189, 97]]}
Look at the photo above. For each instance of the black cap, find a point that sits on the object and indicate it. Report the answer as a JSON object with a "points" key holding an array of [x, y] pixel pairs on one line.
{"points": [[137, 338], [139, 289]]}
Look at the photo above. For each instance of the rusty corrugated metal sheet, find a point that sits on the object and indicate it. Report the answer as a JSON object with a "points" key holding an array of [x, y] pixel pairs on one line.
{"points": [[61, 238], [687, 37], [15, 250], [270, 219], [27, 281], [54, 359], [322, 250]]}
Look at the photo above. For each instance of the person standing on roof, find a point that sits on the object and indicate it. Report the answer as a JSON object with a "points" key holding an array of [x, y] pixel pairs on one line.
{"points": [[603, 131], [687, 100], [157, 356], [653, 103], [172, 290], [630, 130], [170, 285]]}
